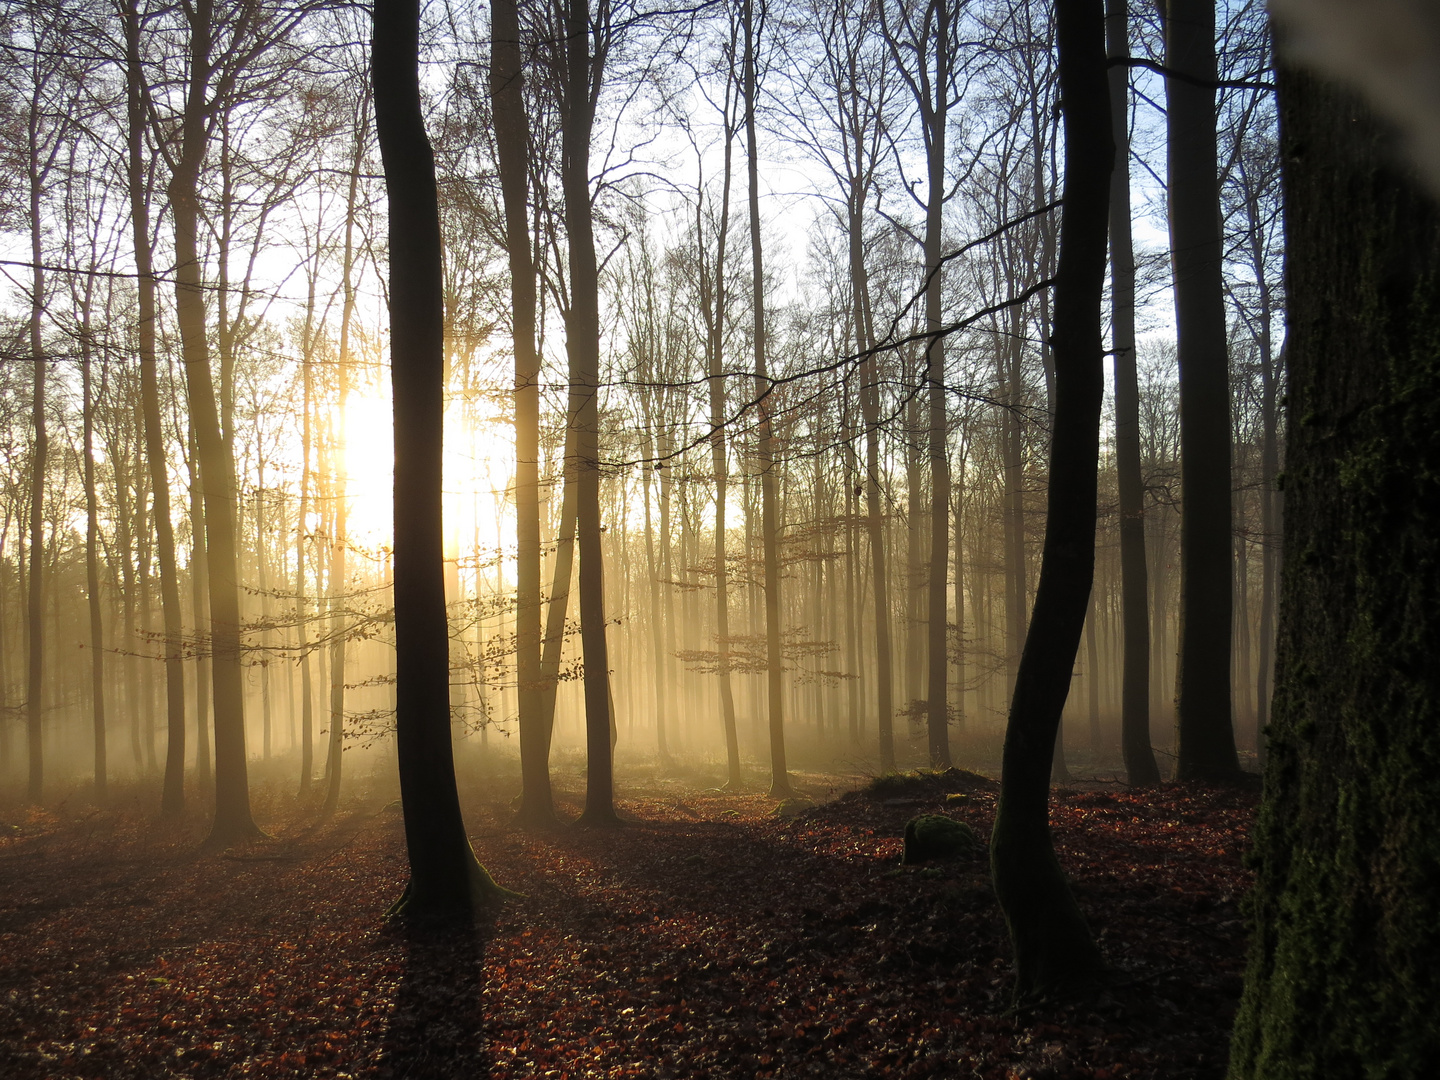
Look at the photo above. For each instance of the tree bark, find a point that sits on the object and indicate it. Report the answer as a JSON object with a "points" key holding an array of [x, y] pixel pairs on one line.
{"points": [[446, 882], [769, 510], [217, 468], [1341, 978], [582, 340], [1140, 767], [1054, 951], [537, 806], [1206, 739]]}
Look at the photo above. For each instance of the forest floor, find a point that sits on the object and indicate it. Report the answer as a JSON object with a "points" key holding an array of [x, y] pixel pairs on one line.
{"points": [[708, 937]]}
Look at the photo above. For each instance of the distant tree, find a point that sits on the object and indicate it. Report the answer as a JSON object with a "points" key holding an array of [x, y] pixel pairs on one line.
{"points": [[1053, 947], [925, 41], [1341, 978], [446, 881]]}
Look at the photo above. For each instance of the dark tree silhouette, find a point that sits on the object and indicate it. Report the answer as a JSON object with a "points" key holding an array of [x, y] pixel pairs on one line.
{"points": [[1342, 979], [1140, 767], [446, 881], [1206, 747], [1053, 947]]}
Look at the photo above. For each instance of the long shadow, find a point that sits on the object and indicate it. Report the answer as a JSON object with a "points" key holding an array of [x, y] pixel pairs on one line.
{"points": [[437, 1026]]}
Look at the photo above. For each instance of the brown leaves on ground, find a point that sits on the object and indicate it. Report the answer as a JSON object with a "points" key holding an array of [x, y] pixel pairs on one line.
{"points": [[706, 938]]}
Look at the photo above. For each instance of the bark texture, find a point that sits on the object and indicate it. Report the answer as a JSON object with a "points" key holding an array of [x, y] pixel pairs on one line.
{"points": [[1342, 979]]}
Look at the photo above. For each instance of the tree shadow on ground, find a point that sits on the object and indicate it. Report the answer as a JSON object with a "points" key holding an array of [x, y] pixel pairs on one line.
{"points": [[437, 1025]]}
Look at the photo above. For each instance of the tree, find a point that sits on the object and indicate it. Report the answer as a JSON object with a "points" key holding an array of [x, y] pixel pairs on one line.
{"points": [[1053, 947], [233, 820], [1140, 767], [507, 94], [172, 800], [769, 509], [1202, 694], [1340, 979], [446, 881], [583, 73], [931, 37]]}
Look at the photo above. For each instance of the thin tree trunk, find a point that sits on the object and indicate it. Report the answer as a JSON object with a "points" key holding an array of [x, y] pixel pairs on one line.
{"points": [[1052, 944], [1140, 767], [582, 76], [92, 560], [35, 624], [769, 516], [537, 804]]}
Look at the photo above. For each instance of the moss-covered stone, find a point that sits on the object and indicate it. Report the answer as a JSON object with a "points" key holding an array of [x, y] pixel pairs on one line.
{"points": [[793, 806], [935, 836]]}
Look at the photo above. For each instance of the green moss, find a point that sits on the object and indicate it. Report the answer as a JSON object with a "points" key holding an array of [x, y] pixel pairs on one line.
{"points": [[793, 806], [926, 784], [934, 836]]}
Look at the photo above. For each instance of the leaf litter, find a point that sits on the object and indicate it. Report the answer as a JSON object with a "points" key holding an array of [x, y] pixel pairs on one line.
{"points": [[708, 937]]}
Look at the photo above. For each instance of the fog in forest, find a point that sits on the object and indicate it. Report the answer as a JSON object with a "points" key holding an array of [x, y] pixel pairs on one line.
{"points": [[291, 260]]}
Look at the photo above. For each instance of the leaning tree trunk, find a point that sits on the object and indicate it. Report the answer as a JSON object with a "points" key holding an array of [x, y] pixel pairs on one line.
{"points": [[1342, 978], [446, 881], [1202, 679], [537, 805], [1140, 767], [1054, 951]]}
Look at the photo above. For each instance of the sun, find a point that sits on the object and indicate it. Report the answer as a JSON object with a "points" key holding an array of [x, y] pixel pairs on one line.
{"points": [[479, 472]]}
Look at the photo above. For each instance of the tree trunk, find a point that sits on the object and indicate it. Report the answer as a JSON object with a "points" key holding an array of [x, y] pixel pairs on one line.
{"points": [[1341, 978], [720, 468], [582, 339], [769, 511], [1140, 767], [874, 515], [199, 587], [1053, 947], [35, 617], [92, 561], [339, 541], [537, 806], [446, 882], [217, 468], [172, 801], [1206, 739]]}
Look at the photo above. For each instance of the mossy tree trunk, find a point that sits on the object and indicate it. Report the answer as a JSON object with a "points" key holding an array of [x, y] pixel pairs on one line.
{"points": [[1054, 951], [1342, 979]]}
